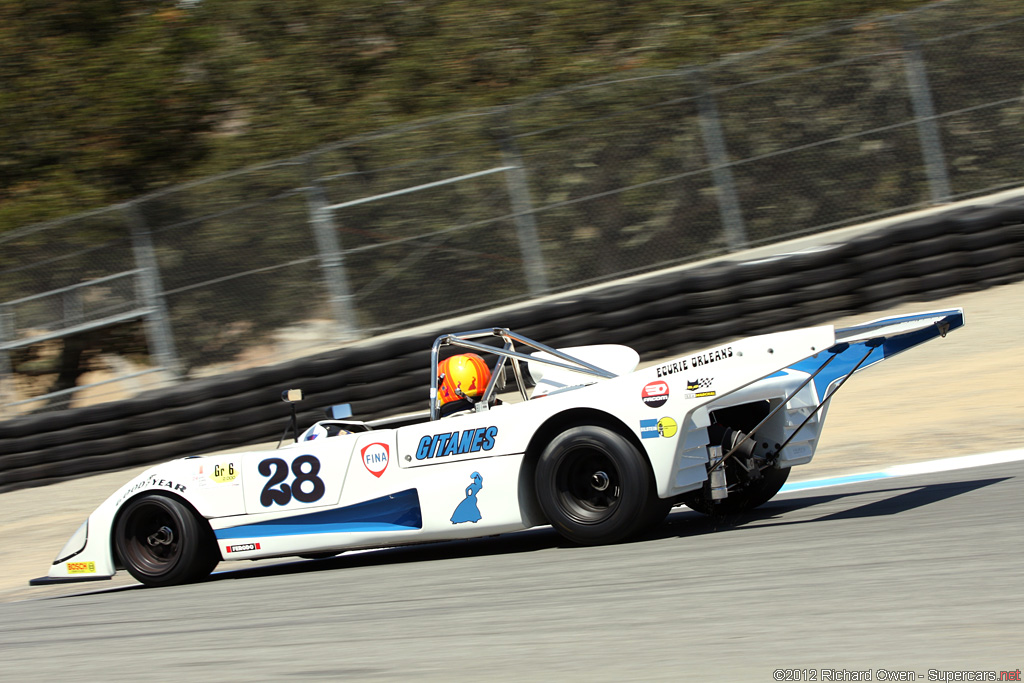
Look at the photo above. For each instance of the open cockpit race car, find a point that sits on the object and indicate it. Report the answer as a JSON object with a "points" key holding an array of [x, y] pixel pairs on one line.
{"points": [[577, 438]]}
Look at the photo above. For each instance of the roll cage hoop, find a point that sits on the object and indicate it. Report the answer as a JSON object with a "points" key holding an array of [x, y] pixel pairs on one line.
{"points": [[507, 352]]}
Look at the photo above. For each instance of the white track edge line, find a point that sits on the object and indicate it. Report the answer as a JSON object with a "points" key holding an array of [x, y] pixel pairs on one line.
{"points": [[927, 467]]}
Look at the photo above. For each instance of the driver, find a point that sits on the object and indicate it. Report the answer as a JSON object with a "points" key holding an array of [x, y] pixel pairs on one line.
{"points": [[461, 379], [323, 430]]}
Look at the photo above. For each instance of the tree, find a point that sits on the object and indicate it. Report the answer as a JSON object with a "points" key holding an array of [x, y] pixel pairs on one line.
{"points": [[102, 100]]}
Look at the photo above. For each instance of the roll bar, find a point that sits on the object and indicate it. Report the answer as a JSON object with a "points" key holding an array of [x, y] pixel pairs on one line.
{"points": [[507, 352]]}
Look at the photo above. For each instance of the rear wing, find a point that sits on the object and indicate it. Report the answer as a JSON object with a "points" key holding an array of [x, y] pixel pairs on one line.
{"points": [[862, 346], [855, 348]]}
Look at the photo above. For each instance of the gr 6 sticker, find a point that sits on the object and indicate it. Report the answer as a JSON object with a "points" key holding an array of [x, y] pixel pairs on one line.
{"points": [[376, 457], [224, 473], [655, 394]]}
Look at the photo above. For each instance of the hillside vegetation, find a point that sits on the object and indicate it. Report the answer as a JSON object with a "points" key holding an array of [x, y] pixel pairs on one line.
{"points": [[103, 100]]}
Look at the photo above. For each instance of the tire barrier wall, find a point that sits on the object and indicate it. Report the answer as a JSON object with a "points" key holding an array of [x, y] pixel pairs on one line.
{"points": [[964, 249]]}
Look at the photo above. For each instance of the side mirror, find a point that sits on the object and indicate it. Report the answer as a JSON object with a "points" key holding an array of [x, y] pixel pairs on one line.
{"points": [[291, 397], [340, 411]]}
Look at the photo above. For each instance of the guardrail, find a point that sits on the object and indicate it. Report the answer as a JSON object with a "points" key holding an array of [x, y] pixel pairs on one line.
{"points": [[962, 249], [480, 208]]}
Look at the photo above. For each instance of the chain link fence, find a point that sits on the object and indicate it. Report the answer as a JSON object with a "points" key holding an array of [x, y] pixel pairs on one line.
{"points": [[571, 187]]}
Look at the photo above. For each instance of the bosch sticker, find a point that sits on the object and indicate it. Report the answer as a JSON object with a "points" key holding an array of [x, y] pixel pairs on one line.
{"points": [[81, 567], [655, 394], [376, 457]]}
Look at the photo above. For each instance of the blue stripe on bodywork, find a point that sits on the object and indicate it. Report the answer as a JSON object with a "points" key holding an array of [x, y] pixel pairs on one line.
{"points": [[396, 512], [891, 344], [845, 362]]}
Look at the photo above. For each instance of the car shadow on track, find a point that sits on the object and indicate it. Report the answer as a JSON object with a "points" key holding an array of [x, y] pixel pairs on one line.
{"points": [[895, 500], [530, 540], [682, 522]]}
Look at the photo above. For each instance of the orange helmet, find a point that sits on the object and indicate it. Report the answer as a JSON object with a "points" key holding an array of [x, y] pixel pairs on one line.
{"points": [[467, 372]]}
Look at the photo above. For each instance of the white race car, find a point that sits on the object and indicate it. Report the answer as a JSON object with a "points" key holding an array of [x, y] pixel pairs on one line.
{"points": [[576, 438]]}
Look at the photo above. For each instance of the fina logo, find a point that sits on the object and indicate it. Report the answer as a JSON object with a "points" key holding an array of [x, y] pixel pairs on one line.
{"points": [[376, 457]]}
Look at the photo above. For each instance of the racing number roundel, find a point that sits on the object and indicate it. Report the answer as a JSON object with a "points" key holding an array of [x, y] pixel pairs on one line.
{"points": [[655, 394], [375, 457]]}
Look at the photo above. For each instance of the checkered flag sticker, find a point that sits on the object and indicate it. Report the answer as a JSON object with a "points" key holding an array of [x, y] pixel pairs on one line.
{"points": [[702, 383]]}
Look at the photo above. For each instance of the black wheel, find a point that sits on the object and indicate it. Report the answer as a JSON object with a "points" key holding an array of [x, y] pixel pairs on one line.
{"points": [[162, 542], [595, 486], [742, 496]]}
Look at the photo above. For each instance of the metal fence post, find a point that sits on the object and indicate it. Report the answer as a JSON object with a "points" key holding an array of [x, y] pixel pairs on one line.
{"points": [[332, 259], [157, 321], [7, 393], [721, 167], [522, 208], [924, 114]]}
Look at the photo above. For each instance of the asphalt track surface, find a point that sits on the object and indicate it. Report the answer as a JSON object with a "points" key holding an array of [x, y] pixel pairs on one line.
{"points": [[911, 573], [914, 573]]}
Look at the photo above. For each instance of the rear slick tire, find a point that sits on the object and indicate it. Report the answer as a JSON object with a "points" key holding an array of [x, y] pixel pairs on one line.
{"points": [[595, 486]]}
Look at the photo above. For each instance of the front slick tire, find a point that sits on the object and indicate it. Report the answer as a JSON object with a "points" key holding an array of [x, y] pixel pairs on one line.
{"points": [[595, 486], [162, 542]]}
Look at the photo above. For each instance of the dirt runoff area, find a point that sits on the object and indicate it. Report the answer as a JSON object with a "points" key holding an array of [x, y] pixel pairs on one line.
{"points": [[955, 396]]}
